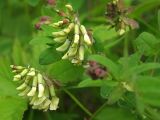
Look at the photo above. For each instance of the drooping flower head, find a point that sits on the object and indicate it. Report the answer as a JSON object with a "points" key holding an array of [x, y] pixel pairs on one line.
{"points": [[35, 88], [73, 36], [117, 16]]}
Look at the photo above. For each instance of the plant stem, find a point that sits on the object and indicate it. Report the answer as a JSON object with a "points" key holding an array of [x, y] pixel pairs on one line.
{"points": [[31, 114], [114, 43], [101, 108], [77, 102], [148, 26], [125, 50], [49, 117]]}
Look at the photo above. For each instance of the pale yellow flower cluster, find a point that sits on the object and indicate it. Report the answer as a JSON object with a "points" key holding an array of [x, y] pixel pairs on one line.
{"points": [[34, 87], [73, 37]]}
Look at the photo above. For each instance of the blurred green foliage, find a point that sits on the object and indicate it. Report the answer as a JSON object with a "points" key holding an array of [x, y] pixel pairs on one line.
{"points": [[131, 59]]}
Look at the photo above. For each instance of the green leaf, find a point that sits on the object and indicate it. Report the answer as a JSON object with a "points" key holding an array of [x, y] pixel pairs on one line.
{"points": [[48, 30], [12, 108], [33, 2], [98, 46], [41, 40], [11, 88], [127, 63], [102, 33], [145, 67], [145, 6], [147, 44], [90, 83], [105, 91], [114, 113], [148, 89], [109, 64], [49, 56], [65, 71], [132, 60], [116, 94]]}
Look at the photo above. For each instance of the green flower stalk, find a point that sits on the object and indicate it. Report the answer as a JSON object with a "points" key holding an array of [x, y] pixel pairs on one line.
{"points": [[35, 87], [73, 36]]}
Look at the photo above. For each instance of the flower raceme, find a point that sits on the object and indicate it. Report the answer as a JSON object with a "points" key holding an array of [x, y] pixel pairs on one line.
{"points": [[34, 86], [117, 16], [73, 36]]}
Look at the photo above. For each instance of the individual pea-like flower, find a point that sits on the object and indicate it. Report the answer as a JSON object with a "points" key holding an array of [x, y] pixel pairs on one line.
{"points": [[73, 36], [117, 16], [34, 86]]}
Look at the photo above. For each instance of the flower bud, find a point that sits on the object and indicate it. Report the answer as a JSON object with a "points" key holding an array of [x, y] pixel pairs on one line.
{"points": [[41, 90], [39, 101], [21, 87], [24, 72], [25, 84], [14, 71], [64, 46], [33, 99], [65, 21], [58, 24], [17, 77], [34, 87], [75, 61], [34, 107], [65, 56], [72, 50], [46, 104], [16, 67], [58, 34], [69, 7], [87, 39], [76, 32], [81, 53], [83, 29], [40, 85], [32, 92], [60, 39], [23, 93], [121, 31], [69, 28], [76, 38], [54, 103], [52, 91], [66, 30], [12, 66], [76, 29], [127, 86], [32, 72], [60, 13]]}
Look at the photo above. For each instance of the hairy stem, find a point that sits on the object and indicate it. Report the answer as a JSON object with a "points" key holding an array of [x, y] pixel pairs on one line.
{"points": [[77, 102], [99, 110], [31, 114]]}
